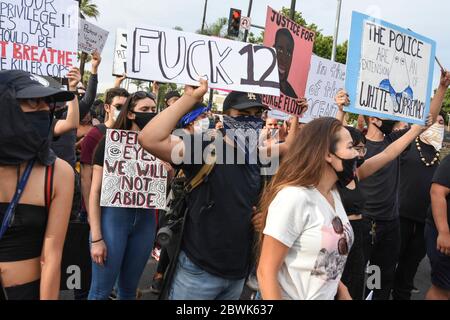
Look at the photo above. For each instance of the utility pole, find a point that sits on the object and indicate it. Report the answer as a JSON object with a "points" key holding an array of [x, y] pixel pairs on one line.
{"points": [[336, 30], [292, 9], [204, 15], [248, 15]]}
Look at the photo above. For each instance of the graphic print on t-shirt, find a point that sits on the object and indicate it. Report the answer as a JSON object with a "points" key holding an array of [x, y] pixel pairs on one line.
{"points": [[330, 263]]}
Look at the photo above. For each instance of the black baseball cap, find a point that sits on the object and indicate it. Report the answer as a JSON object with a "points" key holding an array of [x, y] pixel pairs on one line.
{"points": [[30, 86], [242, 100]]}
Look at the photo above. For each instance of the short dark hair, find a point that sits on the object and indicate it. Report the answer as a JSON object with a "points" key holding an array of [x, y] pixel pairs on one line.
{"points": [[357, 136], [115, 92]]}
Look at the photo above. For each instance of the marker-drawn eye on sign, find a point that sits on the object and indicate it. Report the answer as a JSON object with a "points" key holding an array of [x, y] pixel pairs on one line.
{"points": [[114, 151]]}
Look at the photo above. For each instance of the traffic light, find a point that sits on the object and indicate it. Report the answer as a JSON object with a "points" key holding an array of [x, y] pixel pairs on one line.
{"points": [[234, 22]]}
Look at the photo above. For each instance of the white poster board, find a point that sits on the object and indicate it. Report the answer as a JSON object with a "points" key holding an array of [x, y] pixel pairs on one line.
{"points": [[325, 79], [389, 70], [132, 178], [91, 37], [167, 55], [120, 53], [39, 36]]}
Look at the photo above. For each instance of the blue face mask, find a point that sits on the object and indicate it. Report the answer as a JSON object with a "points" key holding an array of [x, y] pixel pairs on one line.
{"points": [[40, 120]]}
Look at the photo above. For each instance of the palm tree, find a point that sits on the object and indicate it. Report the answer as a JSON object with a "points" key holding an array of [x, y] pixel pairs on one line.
{"points": [[140, 84], [87, 9]]}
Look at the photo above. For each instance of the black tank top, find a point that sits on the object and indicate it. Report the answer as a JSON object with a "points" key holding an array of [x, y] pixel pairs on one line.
{"points": [[353, 200], [24, 238]]}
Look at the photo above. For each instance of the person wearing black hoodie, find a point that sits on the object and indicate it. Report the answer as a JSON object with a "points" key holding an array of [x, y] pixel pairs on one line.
{"points": [[34, 215]]}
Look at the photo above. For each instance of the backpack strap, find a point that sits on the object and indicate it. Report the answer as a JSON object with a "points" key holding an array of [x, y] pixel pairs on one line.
{"points": [[49, 173], [204, 171]]}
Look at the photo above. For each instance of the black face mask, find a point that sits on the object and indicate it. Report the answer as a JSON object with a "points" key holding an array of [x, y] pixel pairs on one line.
{"points": [[142, 118], [386, 126], [40, 120], [349, 173], [359, 162], [59, 113]]}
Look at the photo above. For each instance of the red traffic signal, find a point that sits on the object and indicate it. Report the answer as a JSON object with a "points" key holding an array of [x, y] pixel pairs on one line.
{"points": [[234, 22]]}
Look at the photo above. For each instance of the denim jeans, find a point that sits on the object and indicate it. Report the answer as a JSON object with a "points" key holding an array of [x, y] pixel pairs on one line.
{"points": [[129, 235], [190, 282], [382, 249]]}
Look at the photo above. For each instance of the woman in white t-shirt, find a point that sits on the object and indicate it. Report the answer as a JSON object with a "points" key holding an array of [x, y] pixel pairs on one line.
{"points": [[307, 235]]}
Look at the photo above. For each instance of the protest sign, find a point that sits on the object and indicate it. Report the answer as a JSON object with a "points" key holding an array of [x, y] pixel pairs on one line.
{"points": [[325, 79], [168, 55], [294, 45], [132, 178], [90, 37], [38, 36], [120, 53], [389, 70]]}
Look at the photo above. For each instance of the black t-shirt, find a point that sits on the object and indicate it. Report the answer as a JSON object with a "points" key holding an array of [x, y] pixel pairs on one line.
{"points": [[381, 188], [218, 234], [442, 177], [415, 181], [353, 200]]}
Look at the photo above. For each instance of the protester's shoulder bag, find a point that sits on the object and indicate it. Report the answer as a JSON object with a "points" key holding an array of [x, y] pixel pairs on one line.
{"points": [[170, 235]]}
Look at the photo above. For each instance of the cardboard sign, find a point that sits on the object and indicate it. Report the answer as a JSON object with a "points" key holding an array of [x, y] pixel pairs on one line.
{"points": [[294, 45], [38, 36], [90, 37], [120, 53], [325, 79], [246, 23], [168, 55], [389, 70], [132, 178]]}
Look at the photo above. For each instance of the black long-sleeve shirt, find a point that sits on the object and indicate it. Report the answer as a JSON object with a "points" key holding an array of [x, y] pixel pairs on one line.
{"points": [[64, 146]]}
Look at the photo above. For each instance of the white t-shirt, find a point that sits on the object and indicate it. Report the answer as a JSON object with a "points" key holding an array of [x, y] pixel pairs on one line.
{"points": [[301, 218]]}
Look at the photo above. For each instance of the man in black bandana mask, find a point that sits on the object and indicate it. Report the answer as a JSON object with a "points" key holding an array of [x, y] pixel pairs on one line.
{"points": [[218, 236]]}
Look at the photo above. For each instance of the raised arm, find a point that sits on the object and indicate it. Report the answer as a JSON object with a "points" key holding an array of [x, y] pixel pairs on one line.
{"points": [[72, 120], [119, 79], [91, 89], [439, 96], [372, 165], [342, 100], [157, 138]]}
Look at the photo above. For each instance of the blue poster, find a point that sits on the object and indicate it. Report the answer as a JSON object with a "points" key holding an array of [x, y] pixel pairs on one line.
{"points": [[389, 70]]}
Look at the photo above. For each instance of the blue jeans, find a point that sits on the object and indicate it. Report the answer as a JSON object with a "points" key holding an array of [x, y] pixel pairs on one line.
{"points": [[190, 282], [129, 235]]}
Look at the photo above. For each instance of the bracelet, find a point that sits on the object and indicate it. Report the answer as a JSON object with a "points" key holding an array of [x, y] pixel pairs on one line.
{"points": [[101, 239]]}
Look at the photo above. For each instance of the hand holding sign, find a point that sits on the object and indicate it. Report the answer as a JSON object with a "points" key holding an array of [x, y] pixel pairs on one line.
{"points": [[197, 92], [445, 79], [342, 99], [74, 77], [95, 62]]}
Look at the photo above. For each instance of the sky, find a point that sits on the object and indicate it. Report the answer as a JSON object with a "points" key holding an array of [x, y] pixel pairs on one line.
{"points": [[428, 18]]}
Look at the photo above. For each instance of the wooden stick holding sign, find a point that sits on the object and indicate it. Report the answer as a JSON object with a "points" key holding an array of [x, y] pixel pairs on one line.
{"points": [[167, 55]]}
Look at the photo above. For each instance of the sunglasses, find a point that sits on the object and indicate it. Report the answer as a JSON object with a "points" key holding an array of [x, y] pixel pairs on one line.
{"points": [[339, 229], [142, 95]]}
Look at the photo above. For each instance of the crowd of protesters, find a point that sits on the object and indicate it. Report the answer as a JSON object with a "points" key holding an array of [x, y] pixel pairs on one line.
{"points": [[303, 209]]}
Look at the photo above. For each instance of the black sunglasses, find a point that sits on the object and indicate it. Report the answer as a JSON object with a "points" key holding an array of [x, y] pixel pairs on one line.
{"points": [[143, 95]]}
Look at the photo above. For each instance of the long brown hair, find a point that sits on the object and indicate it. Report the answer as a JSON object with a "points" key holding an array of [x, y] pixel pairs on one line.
{"points": [[304, 163], [122, 122]]}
